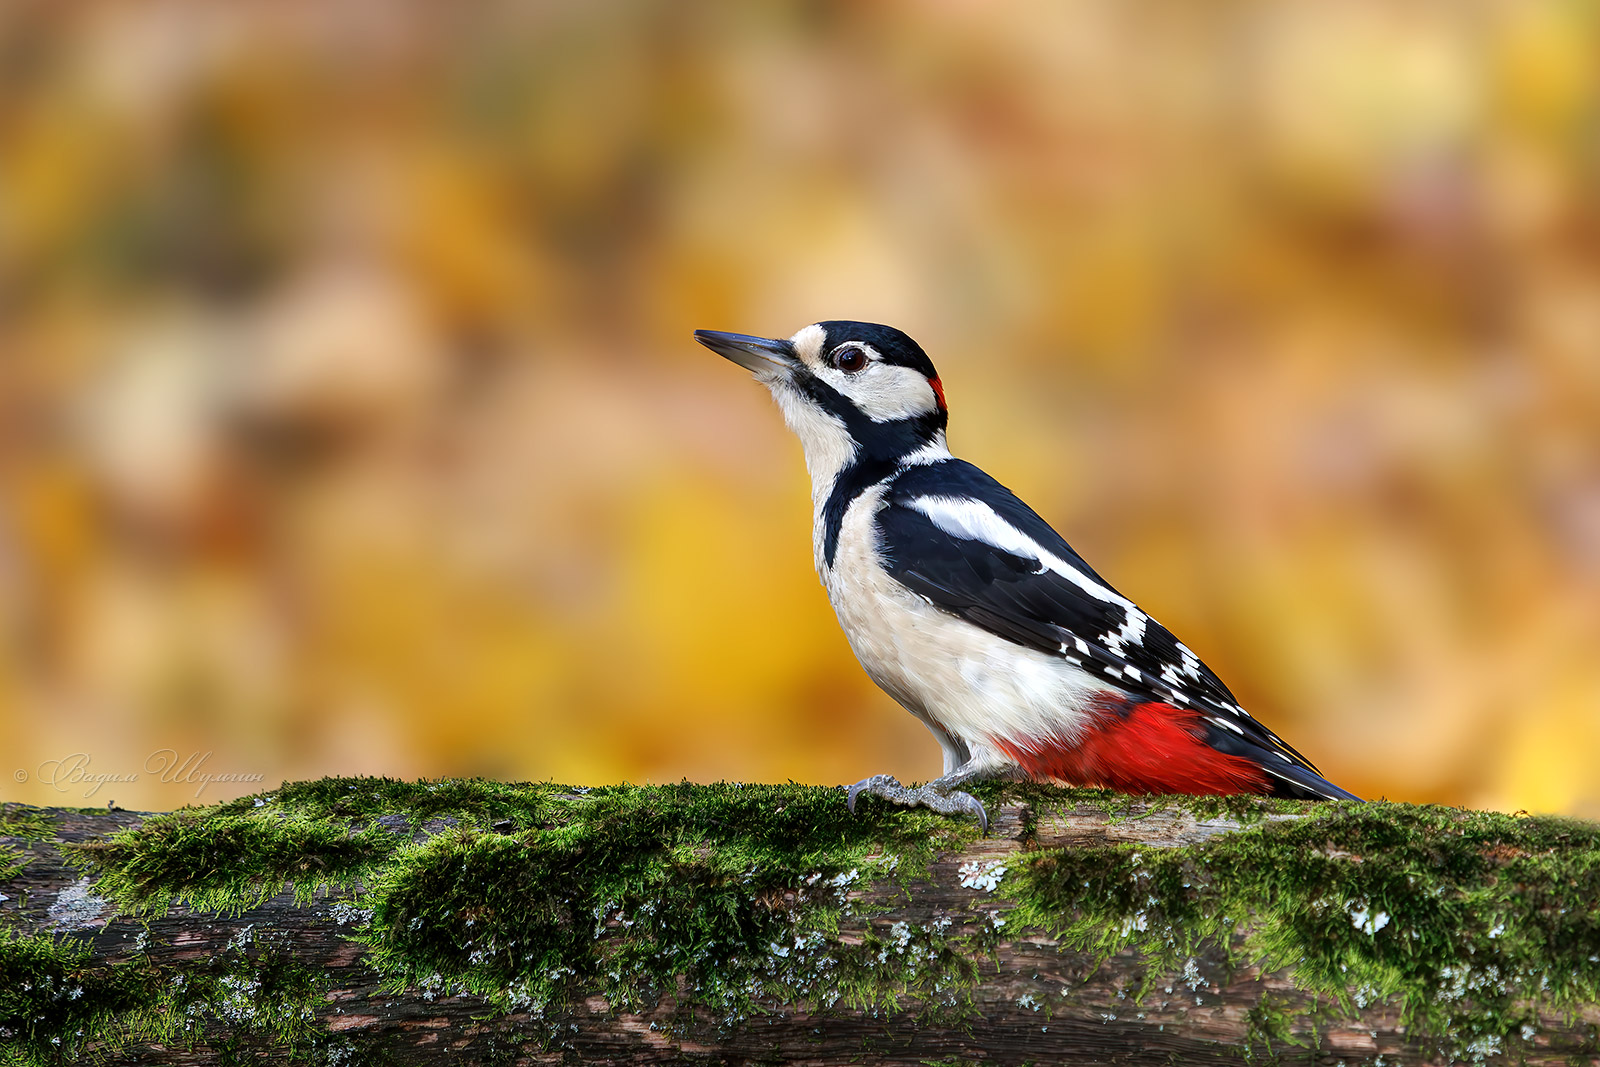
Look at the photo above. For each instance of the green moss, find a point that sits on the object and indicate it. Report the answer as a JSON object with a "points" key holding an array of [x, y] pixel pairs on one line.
{"points": [[362, 800], [1043, 801], [330, 833], [525, 894], [19, 822], [1470, 922], [732, 889], [1238, 807], [29, 824], [50, 1001], [226, 861], [1270, 1028], [56, 1008]]}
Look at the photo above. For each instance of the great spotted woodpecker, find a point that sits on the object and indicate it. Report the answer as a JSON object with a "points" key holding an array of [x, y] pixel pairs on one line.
{"points": [[970, 611]]}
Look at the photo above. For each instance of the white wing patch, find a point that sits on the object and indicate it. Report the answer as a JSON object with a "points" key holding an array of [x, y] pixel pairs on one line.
{"points": [[973, 520]]}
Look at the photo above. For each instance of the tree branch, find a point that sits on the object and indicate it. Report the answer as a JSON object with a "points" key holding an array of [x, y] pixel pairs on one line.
{"points": [[416, 923]]}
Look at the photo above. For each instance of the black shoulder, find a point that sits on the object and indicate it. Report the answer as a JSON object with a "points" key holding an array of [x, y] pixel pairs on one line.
{"points": [[958, 478], [954, 535]]}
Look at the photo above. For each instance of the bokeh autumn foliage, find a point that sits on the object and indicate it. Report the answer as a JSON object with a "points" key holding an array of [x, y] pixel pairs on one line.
{"points": [[350, 423]]}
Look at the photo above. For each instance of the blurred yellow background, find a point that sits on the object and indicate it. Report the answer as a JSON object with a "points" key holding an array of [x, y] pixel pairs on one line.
{"points": [[350, 421]]}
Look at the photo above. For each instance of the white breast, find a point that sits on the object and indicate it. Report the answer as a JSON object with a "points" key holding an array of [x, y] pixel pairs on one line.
{"points": [[957, 677]]}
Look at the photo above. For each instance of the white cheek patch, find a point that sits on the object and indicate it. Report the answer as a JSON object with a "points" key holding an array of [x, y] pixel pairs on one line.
{"points": [[884, 391]]}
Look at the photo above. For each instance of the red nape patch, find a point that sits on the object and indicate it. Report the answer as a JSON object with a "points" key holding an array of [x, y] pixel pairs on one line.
{"points": [[938, 391], [1144, 747]]}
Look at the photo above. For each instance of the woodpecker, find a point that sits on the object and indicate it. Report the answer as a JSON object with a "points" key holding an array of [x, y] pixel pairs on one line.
{"points": [[975, 615]]}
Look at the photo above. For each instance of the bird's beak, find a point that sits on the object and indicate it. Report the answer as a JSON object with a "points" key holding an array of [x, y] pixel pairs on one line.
{"points": [[762, 355]]}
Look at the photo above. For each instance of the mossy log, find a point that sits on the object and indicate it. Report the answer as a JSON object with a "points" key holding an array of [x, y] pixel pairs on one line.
{"points": [[373, 921]]}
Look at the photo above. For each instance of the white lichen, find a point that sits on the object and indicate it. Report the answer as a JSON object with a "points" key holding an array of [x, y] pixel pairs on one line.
{"points": [[345, 913], [1366, 919], [848, 878], [75, 908], [983, 875]]}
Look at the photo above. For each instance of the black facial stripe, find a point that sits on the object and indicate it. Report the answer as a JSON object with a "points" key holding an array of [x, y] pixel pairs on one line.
{"points": [[851, 483], [889, 439], [880, 446], [830, 400]]}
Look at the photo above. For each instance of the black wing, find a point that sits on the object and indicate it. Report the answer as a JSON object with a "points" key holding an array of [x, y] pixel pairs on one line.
{"points": [[1018, 578]]}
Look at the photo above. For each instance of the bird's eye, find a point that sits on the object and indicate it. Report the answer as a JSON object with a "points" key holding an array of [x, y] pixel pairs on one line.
{"points": [[849, 358]]}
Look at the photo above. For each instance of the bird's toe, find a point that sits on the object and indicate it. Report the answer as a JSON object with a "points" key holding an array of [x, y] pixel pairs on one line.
{"points": [[955, 802], [944, 801], [975, 806], [879, 785]]}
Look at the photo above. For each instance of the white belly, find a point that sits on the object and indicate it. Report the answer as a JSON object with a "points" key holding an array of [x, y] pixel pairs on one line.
{"points": [[953, 675]]}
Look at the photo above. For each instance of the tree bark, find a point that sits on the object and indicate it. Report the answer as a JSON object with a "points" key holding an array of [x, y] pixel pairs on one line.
{"points": [[1034, 1001]]}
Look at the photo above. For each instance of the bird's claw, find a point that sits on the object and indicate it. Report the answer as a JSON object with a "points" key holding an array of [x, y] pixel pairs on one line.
{"points": [[879, 785], [971, 804], [943, 801]]}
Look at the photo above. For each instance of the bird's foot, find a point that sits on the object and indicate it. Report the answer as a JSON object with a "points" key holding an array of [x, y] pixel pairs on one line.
{"points": [[945, 801]]}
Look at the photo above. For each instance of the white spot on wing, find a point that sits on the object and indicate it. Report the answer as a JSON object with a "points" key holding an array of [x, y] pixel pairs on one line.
{"points": [[1191, 662]]}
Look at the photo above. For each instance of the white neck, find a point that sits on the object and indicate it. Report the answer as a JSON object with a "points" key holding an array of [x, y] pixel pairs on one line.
{"points": [[829, 448]]}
